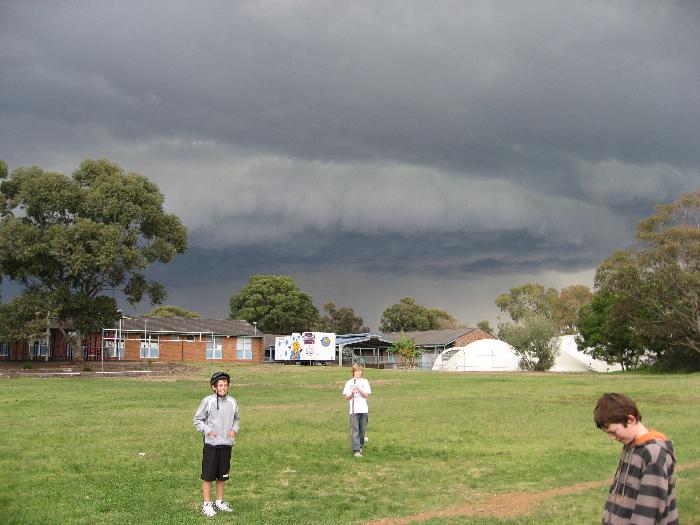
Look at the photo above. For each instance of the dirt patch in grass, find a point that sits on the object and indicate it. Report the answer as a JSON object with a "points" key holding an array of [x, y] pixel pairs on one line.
{"points": [[507, 505], [91, 368]]}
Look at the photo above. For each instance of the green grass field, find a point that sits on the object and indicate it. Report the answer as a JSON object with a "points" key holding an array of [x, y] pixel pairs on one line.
{"points": [[111, 450]]}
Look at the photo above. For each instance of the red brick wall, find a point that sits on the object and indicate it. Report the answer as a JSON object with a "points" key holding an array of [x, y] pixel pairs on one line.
{"points": [[193, 350], [474, 335]]}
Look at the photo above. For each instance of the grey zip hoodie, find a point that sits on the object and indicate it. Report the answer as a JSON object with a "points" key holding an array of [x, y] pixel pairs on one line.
{"points": [[219, 414]]}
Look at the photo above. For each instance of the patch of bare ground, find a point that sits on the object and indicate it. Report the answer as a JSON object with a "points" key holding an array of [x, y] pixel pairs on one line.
{"points": [[153, 370], [507, 505]]}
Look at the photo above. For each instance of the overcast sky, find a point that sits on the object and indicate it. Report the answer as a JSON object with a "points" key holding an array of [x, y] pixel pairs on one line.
{"points": [[370, 149]]}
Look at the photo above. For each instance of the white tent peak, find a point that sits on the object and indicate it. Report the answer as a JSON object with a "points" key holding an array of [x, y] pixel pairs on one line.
{"points": [[571, 359], [484, 355]]}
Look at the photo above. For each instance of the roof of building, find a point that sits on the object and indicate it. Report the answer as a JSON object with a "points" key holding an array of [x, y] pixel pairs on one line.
{"points": [[431, 337], [183, 325], [367, 339]]}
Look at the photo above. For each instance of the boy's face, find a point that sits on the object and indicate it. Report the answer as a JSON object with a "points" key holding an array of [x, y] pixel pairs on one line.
{"points": [[221, 387], [357, 374], [621, 432]]}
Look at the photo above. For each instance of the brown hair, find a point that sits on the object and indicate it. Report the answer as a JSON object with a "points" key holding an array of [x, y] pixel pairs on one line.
{"points": [[614, 408], [356, 367]]}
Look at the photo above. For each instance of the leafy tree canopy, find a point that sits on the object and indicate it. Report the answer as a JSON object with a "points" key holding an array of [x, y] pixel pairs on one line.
{"points": [[407, 316], [526, 300], [485, 326], [23, 318], [406, 347], [341, 320], [74, 239], [654, 289], [443, 320], [533, 299], [168, 310], [534, 339], [276, 303], [605, 332]]}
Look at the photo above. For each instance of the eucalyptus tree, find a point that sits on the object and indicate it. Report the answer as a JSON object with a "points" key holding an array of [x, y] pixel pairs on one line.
{"points": [[76, 239]]}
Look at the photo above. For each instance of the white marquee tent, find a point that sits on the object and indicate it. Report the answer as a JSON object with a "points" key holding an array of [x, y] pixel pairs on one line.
{"points": [[493, 355], [485, 355], [571, 359]]}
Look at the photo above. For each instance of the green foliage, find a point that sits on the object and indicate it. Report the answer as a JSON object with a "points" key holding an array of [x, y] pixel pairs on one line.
{"points": [[533, 299], [525, 300], [169, 310], [653, 290], [485, 326], [442, 319], [73, 239], [406, 347], [407, 316], [534, 339], [605, 331], [276, 303], [340, 320], [23, 318]]}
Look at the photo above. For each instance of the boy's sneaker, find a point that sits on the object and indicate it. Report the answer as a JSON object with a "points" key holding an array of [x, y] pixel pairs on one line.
{"points": [[208, 510], [223, 506], [358, 454]]}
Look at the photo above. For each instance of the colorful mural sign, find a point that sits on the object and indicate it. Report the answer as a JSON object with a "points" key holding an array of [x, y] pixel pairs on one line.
{"points": [[307, 346]]}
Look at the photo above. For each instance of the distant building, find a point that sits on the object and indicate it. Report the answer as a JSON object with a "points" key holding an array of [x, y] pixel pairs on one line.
{"points": [[374, 349], [150, 338], [184, 339]]}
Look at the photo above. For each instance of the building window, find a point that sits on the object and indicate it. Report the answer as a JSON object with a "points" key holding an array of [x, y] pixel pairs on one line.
{"points": [[214, 349], [40, 348], [190, 338], [244, 348], [149, 347], [114, 348], [174, 337]]}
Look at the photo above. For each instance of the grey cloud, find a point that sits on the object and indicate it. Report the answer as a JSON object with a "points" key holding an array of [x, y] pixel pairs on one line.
{"points": [[481, 89], [437, 140]]}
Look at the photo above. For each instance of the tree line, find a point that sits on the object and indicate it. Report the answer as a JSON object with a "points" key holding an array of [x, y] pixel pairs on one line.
{"points": [[71, 241], [643, 311]]}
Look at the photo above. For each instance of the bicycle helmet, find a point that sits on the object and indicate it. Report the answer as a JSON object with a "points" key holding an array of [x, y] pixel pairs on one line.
{"points": [[219, 375]]}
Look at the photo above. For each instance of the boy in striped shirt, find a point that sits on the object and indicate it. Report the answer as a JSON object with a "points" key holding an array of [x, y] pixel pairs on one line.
{"points": [[643, 491]]}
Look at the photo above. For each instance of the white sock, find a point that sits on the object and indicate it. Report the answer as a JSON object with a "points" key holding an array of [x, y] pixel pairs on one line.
{"points": [[218, 502]]}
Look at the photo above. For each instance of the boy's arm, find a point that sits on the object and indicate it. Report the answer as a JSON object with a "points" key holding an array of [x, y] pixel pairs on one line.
{"points": [[654, 488], [368, 389], [347, 391], [236, 421], [200, 418]]}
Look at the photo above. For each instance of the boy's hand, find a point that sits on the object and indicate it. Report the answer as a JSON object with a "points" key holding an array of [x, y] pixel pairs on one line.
{"points": [[212, 434], [232, 434]]}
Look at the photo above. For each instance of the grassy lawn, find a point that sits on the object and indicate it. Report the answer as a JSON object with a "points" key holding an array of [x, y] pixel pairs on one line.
{"points": [[116, 450]]}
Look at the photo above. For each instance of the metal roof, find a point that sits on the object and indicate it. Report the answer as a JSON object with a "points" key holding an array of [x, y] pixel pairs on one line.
{"points": [[431, 337], [182, 325], [367, 339]]}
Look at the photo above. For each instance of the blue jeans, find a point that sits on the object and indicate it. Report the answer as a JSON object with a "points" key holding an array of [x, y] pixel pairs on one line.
{"points": [[358, 425]]}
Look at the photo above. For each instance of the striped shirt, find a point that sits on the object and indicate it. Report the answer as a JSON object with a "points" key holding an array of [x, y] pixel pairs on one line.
{"points": [[643, 491]]}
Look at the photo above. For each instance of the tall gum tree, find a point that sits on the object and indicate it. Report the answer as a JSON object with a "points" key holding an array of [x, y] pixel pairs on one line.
{"points": [[74, 240]]}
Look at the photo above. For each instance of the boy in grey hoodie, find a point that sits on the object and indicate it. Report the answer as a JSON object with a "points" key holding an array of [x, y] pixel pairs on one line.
{"points": [[217, 417]]}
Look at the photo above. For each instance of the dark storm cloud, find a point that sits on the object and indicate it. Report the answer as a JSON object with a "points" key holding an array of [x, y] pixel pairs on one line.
{"points": [[442, 139]]}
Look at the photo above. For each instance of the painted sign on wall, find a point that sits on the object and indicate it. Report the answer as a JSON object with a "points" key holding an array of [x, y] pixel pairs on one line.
{"points": [[306, 346]]}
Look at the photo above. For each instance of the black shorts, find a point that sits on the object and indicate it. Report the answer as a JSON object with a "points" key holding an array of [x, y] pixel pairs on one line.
{"points": [[216, 462]]}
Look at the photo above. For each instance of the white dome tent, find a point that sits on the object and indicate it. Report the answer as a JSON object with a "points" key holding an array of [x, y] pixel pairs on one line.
{"points": [[571, 359], [484, 355]]}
